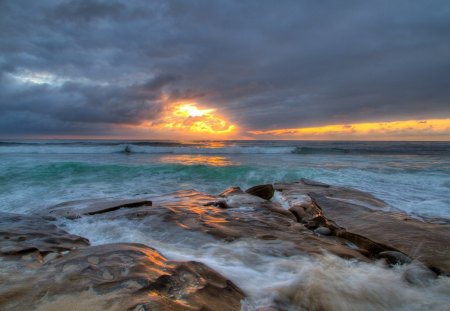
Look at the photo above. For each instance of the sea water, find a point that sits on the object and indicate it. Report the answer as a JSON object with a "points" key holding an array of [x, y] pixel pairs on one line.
{"points": [[413, 177]]}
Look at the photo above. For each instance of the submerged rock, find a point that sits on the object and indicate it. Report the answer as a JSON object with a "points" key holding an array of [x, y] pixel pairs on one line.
{"points": [[323, 231], [418, 274], [310, 182], [76, 209], [265, 192], [121, 276], [395, 258]]}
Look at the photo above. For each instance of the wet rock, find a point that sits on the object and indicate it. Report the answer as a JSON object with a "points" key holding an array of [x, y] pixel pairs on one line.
{"points": [[429, 243], [76, 209], [121, 276], [395, 258], [323, 231], [306, 187], [314, 183], [418, 274], [231, 191], [360, 218], [373, 248], [299, 212], [33, 236], [247, 217], [265, 192], [221, 203]]}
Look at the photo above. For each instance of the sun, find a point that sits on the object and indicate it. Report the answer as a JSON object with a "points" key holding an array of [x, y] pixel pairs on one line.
{"points": [[191, 110], [190, 117]]}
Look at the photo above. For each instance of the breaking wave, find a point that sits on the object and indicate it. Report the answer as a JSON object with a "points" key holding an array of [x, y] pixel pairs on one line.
{"points": [[225, 147]]}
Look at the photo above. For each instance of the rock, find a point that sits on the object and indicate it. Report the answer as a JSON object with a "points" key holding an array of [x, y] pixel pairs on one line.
{"points": [[323, 231], [76, 209], [265, 192], [418, 274], [121, 276], [360, 218], [246, 217], [430, 243], [221, 203], [299, 212], [310, 182], [306, 187], [234, 197], [231, 191], [34, 237], [395, 258]]}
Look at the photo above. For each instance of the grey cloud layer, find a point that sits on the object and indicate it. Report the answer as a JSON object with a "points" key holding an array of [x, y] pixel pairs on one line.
{"points": [[269, 64]]}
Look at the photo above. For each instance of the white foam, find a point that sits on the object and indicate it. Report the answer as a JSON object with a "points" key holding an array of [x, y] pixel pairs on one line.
{"points": [[280, 199], [269, 272], [130, 148]]}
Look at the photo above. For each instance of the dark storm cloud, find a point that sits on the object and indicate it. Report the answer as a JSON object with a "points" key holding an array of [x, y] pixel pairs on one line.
{"points": [[269, 64]]}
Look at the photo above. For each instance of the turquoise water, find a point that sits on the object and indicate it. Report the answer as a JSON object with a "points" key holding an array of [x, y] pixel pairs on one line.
{"points": [[413, 177]]}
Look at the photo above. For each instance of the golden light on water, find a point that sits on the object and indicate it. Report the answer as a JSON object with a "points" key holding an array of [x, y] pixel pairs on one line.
{"points": [[197, 159], [380, 130], [189, 117]]}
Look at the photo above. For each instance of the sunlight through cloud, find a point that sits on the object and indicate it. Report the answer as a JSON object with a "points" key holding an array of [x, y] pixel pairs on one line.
{"points": [[191, 118]]}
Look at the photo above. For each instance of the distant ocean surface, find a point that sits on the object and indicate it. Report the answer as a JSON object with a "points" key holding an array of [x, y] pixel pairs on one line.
{"points": [[410, 176]]}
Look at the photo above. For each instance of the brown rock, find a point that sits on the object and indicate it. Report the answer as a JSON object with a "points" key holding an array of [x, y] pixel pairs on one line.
{"points": [[323, 231], [76, 209], [123, 277], [418, 274], [265, 192], [360, 218], [310, 182], [230, 191], [299, 212], [33, 236], [395, 258], [247, 216]]}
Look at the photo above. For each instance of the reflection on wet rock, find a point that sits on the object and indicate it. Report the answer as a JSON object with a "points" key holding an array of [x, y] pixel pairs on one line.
{"points": [[123, 277]]}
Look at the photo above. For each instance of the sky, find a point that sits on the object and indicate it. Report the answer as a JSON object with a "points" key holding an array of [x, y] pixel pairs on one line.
{"points": [[259, 69]]}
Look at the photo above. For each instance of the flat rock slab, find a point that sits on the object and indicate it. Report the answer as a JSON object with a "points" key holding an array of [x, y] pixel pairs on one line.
{"points": [[363, 217], [76, 209], [427, 242], [306, 186], [121, 276], [245, 216], [22, 235]]}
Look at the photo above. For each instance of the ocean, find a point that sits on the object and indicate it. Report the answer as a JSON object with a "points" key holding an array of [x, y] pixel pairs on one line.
{"points": [[412, 177]]}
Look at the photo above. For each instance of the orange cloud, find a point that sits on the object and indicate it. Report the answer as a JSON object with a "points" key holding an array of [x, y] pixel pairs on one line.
{"points": [[187, 118], [414, 129]]}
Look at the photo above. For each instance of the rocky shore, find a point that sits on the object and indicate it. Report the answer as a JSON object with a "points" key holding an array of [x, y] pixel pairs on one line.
{"points": [[43, 267]]}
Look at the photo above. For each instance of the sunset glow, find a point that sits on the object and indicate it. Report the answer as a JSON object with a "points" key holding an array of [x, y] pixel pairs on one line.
{"points": [[377, 130], [189, 117], [197, 159]]}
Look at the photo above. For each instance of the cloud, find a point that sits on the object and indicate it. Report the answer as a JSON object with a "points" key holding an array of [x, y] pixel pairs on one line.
{"points": [[406, 130], [83, 67]]}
